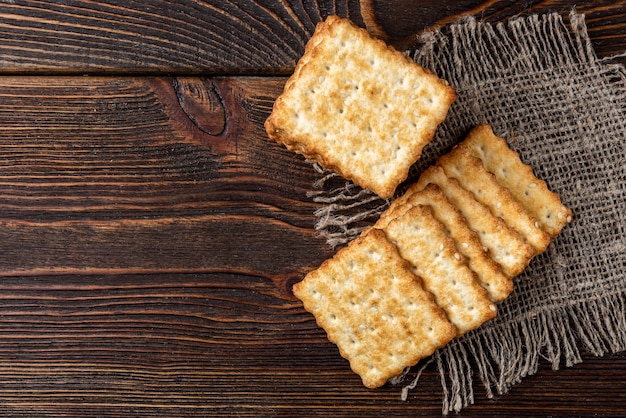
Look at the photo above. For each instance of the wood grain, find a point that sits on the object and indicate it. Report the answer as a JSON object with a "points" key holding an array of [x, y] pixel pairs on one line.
{"points": [[221, 343], [149, 237], [148, 174], [248, 37], [150, 233]]}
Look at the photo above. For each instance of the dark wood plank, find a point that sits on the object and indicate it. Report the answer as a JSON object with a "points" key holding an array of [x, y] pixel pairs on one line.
{"points": [[251, 37], [150, 234], [149, 174], [401, 20], [222, 343], [149, 238], [156, 36]]}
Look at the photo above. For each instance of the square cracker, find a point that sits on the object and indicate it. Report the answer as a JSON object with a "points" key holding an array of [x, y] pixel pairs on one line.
{"points": [[467, 242], [374, 309], [518, 177], [472, 175], [505, 246], [358, 107], [423, 242]]}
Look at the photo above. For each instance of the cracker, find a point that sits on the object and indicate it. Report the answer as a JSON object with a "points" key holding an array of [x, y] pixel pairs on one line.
{"points": [[472, 175], [422, 240], [509, 170], [358, 107], [374, 309], [505, 246], [466, 240]]}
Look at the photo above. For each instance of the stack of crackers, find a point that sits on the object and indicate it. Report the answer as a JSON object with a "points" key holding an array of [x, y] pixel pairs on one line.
{"points": [[443, 254]]}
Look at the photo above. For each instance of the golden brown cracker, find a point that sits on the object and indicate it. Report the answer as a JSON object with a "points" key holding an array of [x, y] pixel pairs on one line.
{"points": [[469, 171], [359, 107], [509, 170], [374, 309], [505, 246], [466, 240], [423, 241]]}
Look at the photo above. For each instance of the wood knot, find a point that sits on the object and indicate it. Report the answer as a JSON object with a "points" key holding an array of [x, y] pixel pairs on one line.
{"points": [[285, 282], [202, 103]]}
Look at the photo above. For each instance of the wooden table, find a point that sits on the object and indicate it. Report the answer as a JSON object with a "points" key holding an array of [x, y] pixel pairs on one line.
{"points": [[150, 233]]}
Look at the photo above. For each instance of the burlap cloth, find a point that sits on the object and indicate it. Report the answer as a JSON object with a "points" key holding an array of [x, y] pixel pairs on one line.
{"points": [[538, 82]]}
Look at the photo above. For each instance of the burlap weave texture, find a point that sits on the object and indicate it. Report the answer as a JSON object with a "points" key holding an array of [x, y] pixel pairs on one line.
{"points": [[537, 81]]}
